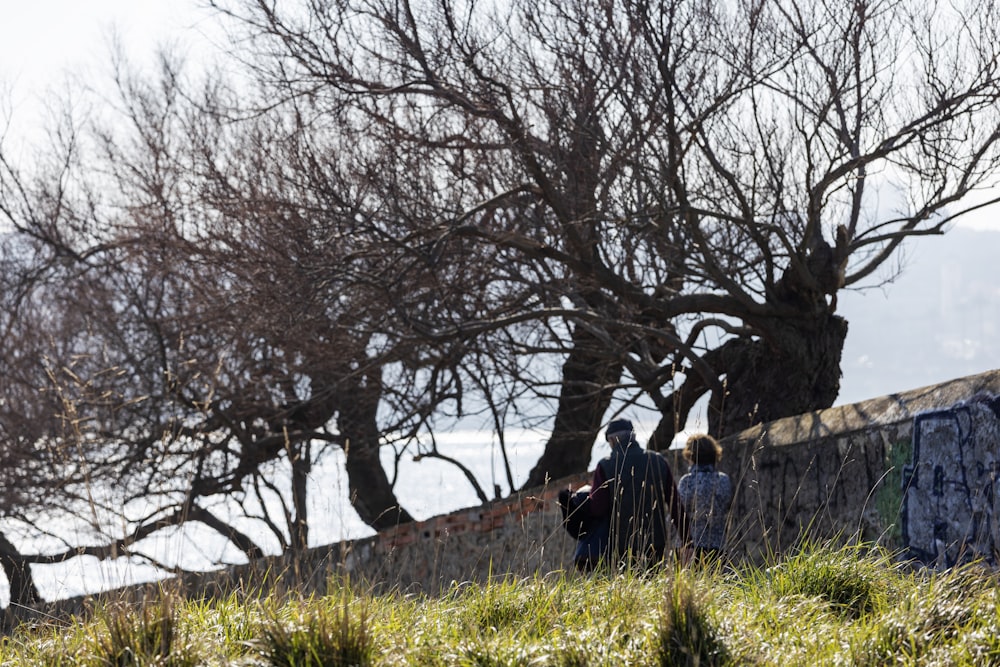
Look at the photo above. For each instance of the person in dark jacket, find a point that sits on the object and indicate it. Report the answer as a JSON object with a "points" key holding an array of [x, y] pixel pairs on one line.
{"points": [[590, 532], [634, 489]]}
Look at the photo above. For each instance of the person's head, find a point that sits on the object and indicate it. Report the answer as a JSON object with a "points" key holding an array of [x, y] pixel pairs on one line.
{"points": [[702, 449], [619, 432]]}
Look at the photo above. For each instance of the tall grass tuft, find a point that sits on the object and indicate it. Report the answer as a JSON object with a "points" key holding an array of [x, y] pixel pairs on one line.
{"points": [[687, 636], [314, 633], [853, 580], [149, 634]]}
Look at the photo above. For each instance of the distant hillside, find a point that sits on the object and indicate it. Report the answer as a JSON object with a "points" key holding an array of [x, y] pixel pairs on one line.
{"points": [[938, 321]]}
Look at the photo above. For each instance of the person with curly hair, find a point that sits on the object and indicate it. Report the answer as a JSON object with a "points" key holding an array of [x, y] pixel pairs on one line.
{"points": [[706, 494]]}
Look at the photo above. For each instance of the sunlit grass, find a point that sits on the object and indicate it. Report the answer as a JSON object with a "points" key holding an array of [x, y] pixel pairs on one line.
{"points": [[817, 606], [326, 632]]}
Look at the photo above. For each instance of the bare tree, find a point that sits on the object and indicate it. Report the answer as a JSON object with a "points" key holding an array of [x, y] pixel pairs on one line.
{"points": [[781, 180], [697, 181], [180, 326], [233, 296], [289, 317]]}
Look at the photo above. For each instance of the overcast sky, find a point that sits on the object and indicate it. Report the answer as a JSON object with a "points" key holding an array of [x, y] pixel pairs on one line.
{"points": [[38, 38], [44, 41]]}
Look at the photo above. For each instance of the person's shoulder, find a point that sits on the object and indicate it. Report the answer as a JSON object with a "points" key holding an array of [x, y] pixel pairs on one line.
{"points": [[604, 467], [658, 457]]}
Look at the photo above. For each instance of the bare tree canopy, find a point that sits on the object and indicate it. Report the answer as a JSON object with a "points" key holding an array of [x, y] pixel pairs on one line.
{"points": [[694, 182]]}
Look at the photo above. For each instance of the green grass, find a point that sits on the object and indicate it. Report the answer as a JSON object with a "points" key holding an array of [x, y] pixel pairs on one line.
{"points": [[818, 606]]}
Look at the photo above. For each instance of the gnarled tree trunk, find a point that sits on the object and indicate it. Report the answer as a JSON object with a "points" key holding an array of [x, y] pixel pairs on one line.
{"points": [[588, 381], [371, 494], [18, 571], [794, 368]]}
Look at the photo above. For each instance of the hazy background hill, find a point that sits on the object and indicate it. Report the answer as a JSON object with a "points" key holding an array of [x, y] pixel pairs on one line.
{"points": [[939, 320]]}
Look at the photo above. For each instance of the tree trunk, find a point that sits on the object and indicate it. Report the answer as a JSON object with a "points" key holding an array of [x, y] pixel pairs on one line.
{"points": [[794, 368], [301, 461], [371, 494], [15, 566], [588, 380]]}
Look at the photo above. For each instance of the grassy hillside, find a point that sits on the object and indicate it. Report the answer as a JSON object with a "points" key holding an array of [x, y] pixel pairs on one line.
{"points": [[849, 606]]}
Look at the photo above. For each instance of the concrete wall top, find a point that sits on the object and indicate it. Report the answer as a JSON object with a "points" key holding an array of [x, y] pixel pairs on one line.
{"points": [[884, 410]]}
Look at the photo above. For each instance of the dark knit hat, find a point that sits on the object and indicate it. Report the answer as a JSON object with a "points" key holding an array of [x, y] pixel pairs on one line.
{"points": [[619, 426]]}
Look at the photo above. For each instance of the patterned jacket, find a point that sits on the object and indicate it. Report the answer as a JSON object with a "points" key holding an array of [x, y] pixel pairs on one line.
{"points": [[706, 494]]}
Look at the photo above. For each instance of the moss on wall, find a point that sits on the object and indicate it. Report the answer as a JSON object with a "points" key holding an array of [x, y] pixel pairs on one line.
{"points": [[889, 499]]}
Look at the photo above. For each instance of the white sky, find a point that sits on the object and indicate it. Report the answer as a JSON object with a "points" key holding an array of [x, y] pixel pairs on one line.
{"points": [[40, 37], [43, 41], [984, 219]]}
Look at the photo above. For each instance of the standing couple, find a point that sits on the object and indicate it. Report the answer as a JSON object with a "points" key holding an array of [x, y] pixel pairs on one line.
{"points": [[622, 519]]}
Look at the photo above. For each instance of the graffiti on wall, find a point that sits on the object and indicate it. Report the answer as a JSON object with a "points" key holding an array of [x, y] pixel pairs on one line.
{"points": [[950, 512]]}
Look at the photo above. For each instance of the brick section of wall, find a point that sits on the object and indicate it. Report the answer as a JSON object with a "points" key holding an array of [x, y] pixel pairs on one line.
{"points": [[518, 536]]}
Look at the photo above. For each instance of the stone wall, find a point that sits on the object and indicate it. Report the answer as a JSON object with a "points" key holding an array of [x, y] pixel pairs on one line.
{"points": [[831, 474], [847, 472], [844, 473], [836, 473], [518, 536]]}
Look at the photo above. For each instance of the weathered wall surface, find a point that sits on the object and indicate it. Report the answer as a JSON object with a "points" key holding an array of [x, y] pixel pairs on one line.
{"points": [[850, 472], [950, 486]]}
